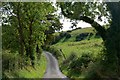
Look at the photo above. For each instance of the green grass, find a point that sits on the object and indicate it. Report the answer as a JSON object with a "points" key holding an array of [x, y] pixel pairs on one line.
{"points": [[83, 30], [30, 72], [75, 33], [69, 46], [86, 46], [92, 46]]}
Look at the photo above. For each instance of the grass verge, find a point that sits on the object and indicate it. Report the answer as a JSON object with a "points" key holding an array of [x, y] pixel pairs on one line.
{"points": [[29, 71]]}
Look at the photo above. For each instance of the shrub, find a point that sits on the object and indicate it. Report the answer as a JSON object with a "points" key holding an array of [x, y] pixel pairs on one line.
{"points": [[93, 75], [38, 54], [97, 35], [56, 52], [76, 66], [12, 61], [56, 39], [83, 36], [86, 58], [68, 35], [63, 34], [93, 71], [60, 36], [69, 59]]}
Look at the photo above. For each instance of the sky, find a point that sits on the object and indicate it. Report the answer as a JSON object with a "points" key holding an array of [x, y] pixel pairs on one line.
{"points": [[67, 24]]}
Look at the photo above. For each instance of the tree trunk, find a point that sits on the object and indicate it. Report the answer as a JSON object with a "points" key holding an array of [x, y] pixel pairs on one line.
{"points": [[100, 29], [38, 51], [113, 41], [31, 45], [20, 30], [111, 37]]}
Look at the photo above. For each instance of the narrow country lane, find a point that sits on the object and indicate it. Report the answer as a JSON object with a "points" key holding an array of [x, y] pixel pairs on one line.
{"points": [[52, 70]]}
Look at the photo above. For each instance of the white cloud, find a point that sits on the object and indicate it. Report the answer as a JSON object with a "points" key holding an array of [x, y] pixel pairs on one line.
{"points": [[67, 24]]}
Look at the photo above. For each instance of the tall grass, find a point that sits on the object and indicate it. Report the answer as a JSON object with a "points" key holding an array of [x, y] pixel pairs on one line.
{"points": [[27, 71]]}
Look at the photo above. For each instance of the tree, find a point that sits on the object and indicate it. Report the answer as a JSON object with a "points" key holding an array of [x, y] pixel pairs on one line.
{"points": [[111, 36], [29, 22], [79, 11], [55, 26], [112, 43]]}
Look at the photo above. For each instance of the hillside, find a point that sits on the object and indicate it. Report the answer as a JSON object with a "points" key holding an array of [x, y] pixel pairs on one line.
{"points": [[89, 45]]}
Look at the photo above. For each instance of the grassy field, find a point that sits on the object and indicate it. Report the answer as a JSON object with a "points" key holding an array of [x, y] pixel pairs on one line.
{"points": [[86, 46], [91, 46]]}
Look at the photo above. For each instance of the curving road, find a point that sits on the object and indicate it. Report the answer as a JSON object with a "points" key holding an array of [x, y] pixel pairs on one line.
{"points": [[52, 70]]}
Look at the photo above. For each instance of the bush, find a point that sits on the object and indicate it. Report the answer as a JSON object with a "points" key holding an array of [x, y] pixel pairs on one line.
{"points": [[12, 61], [67, 61], [68, 35], [93, 75], [65, 34], [76, 66], [83, 36], [61, 35], [97, 35], [86, 58], [56, 52], [56, 39]]}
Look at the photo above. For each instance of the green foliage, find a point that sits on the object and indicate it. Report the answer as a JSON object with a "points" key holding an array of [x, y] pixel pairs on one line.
{"points": [[55, 26], [74, 10], [10, 71], [93, 76], [10, 42], [27, 23], [73, 35], [61, 35], [79, 54], [112, 46], [56, 39], [65, 64], [77, 65], [12, 61], [83, 36], [55, 51], [68, 35], [110, 36], [92, 46]]}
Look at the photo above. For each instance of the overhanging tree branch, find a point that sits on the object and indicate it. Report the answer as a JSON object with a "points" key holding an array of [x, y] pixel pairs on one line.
{"points": [[100, 29]]}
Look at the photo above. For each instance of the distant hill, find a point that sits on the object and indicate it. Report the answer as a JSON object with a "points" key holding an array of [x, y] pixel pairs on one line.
{"points": [[75, 35], [74, 47], [78, 41]]}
